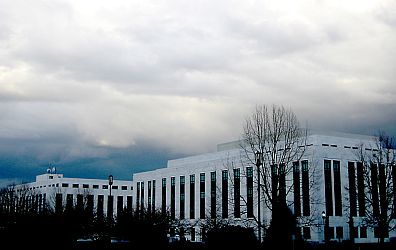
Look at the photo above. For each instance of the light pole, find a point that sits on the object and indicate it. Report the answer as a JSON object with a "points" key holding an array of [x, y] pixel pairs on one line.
{"points": [[110, 182], [259, 159], [325, 219]]}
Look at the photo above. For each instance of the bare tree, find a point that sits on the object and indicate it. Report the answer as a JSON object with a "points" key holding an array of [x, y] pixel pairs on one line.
{"points": [[378, 162], [273, 134]]}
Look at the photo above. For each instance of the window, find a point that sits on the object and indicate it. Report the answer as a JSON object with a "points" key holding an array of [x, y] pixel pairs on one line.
{"points": [[307, 233], [337, 189], [65, 185], [331, 232], [339, 232], [360, 187], [224, 193], [149, 197], [182, 197], [355, 232], [202, 196], [75, 185], [120, 204], [328, 188], [352, 188], [192, 197], [124, 187], [153, 200], [192, 234], [374, 190], [305, 188], [163, 195], [363, 232], [105, 186], [114, 187], [213, 195], [95, 186], [85, 186], [173, 198], [249, 189], [50, 177], [237, 193], [296, 186]]}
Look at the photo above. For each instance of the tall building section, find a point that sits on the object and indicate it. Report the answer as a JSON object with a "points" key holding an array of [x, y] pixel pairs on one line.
{"points": [[328, 178]]}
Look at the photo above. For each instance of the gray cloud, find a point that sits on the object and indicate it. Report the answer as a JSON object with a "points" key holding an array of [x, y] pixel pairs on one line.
{"points": [[80, 82]]}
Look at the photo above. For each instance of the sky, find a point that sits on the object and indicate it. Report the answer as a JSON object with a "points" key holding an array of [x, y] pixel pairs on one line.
{"points": [[118, 87]]}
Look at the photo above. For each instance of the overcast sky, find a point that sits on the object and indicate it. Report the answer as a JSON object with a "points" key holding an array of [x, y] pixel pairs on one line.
{"points": [[99, 87]]}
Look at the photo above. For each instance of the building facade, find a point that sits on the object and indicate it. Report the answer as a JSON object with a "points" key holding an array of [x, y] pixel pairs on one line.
{"points": [[55, 192], [327, 195]]}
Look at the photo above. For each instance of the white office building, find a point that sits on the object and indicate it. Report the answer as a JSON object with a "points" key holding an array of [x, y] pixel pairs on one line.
{"points": [[53, 191], [219, 185]]}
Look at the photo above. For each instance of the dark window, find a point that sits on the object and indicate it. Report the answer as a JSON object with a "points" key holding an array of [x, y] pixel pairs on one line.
{"points": [[149, 197], [213, 195], [192, 197], [305, 188], [360, 186], [331, 233], [64, 185], [114, 187], [249, 188], [137, 197], [339, 232], [80, 203], [69, 202], [90, 205], [296, 186], [99, 208], [237, 193], [110, 206], [282, 183], [85, 186], [352, 188], [105, 186], [182, 197], [173, 198], [202, 196], [374, 190], [95, 186], [337, 189], [163, 195], [355, 232], [124, 187], [363, 232], [224, 193], [58, 204], [142, 195], [75, 185], [120, 204], [153, 201], [307, 233], [192, 234], [394, 190], [129, 203], [328, 188]]}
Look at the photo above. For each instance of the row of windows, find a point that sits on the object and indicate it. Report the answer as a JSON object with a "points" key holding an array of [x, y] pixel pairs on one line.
{"points": [[202, 194], [353, 147], [95, 186]]}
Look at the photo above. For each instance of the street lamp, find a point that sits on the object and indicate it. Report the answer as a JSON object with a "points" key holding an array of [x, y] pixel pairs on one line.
{"points": [[259, 160], [110, 182], [325, 219]]}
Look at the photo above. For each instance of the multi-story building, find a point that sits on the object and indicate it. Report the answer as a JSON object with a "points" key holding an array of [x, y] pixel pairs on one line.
{"points": [[53, 191], [327, 183]]}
